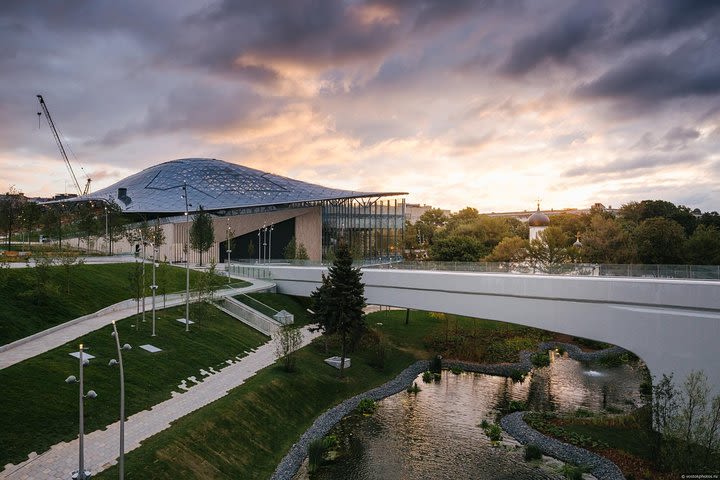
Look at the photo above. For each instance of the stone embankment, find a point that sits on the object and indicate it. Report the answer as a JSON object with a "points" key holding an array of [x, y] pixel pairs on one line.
{"points": [[525, 364], [600, 467]]}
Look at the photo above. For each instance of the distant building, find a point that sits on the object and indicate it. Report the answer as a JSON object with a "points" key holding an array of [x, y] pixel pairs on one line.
{"points": [[413, 211]]}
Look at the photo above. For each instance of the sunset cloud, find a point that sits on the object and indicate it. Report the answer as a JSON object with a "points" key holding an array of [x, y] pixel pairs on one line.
{"points": [[485, 103]]}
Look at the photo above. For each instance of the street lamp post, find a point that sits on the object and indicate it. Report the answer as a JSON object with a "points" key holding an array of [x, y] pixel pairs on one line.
{"points": [[270, 245], [264, 245], [187, 261], [228, 251], [107, 239], [154, 286], [142, 239], [259, 246], [113, 362], [81, 473]]}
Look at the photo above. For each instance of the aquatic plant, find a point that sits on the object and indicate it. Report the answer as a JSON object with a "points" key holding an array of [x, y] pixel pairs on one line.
{"points": [[532, 452], [366, 406], [540, 359], [414, 388]]}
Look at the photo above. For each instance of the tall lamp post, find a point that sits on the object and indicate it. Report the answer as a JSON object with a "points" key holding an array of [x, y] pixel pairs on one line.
{"points": [[269, 253], [187, 260], [228, 251], [113, 362], [81, 473], [142, 239], [154, 286], [259, 245], [107, 238], [264, 245]]}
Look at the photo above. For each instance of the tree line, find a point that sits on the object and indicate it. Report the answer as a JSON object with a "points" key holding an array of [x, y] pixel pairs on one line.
{"points": [[646, 232]]}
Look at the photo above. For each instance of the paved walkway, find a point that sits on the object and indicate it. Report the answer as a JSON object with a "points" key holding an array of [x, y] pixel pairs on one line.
{"points": [[101, 446], [59, 335]]}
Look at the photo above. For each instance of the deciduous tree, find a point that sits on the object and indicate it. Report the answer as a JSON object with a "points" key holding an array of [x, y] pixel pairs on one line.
{"points": [[202, 233]]}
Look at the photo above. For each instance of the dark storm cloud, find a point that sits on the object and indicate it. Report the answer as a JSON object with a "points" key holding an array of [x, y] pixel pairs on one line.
{"points": [[190, 109], [77, 17], [581, 25], [318, 32], [622, 166], [693, 69], [653, 19]]}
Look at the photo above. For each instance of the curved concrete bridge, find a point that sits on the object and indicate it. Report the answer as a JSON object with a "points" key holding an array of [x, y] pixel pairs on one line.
{"points": [[673, 325]]}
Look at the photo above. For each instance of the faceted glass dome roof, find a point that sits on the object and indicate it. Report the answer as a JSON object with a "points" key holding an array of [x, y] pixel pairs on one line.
{"points": [[214, 184]]}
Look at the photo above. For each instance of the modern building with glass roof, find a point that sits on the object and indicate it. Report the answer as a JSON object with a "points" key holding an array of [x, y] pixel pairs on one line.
{"points": [[255, 213]]}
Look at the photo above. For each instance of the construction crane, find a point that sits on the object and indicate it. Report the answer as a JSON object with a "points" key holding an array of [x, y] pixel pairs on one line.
{"points": [[62, 148]]}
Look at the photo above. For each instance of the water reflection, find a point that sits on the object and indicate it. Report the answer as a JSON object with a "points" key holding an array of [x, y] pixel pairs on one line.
{"points": [[436, 435]]}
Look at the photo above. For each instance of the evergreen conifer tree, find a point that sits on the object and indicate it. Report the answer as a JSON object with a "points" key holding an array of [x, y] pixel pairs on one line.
{"points": [[339, 302]]}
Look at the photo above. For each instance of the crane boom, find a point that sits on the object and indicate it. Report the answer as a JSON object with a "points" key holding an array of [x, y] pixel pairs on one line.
{"points": [[62, 148]]}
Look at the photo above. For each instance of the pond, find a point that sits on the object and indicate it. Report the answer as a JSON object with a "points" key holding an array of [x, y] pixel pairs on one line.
{"points": [[436, 434]]}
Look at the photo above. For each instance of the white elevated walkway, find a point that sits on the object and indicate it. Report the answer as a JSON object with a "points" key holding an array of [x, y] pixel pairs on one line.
{"points": [[673, 325]]}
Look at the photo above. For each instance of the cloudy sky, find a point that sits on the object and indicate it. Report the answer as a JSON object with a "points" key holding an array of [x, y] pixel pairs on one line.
{"points": [[490, 104]]}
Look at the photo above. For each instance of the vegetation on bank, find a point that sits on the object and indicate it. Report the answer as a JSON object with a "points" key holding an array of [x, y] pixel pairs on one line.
{"points": [[31, 422], [37, 298]]}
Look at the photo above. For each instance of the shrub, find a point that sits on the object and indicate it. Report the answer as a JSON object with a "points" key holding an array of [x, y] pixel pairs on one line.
{"points": [[571, 472], [436, 364], [484, 424], [583, 413], [427, 376], [561, 351], [612, 361], [532, 452], [494, 432], [517, 376], [540, 359], [366, 406], [516, 406], [456, 370], [316, 450], [414, 388]]}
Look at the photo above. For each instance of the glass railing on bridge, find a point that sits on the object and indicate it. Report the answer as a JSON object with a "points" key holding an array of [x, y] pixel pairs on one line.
{"points": [[262, 270]]}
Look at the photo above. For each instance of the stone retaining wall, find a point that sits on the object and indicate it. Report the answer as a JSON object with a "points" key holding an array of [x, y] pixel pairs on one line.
{"points": [[601, 468]]}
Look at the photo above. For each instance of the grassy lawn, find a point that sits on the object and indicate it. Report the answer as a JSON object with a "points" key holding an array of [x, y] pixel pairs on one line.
{"points": [[458, 337], [92, 287], [40, 409], [295, 305]]}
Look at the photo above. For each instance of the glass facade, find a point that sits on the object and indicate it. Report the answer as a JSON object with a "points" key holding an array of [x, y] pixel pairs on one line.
{"points": [[373, 227]]}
